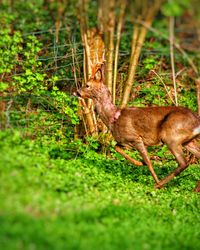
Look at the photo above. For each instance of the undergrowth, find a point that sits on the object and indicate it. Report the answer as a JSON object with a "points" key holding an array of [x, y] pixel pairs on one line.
{"points": [[68, 196]]}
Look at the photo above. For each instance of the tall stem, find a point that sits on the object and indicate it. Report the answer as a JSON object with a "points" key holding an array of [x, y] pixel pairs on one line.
{"points": [[119, 29], [110, 46], [171, 39], [133, 65], [148, 14]]}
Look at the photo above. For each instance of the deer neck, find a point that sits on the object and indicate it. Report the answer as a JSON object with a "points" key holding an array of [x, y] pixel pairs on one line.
{"points": [[107, 111]]}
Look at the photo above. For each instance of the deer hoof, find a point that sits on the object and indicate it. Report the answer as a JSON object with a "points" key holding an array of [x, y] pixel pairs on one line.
{"points": [[158, 186], [197, 188]]}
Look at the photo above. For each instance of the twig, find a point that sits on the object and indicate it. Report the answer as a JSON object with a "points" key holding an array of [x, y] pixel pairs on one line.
{"points": [[171, 39], [55, 49], [119, 28], [81, 101], [149, 16], [7, 113], [164, 86], [179, 72], [74, 68], [110, 45], [175, 44]]}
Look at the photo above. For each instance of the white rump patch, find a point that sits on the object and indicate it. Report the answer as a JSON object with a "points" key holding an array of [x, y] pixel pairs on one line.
{"points": [[196, 131], [117, 115]]}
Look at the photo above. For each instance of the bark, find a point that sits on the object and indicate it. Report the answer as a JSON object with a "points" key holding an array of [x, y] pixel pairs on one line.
{"points": [[100, 16], [87, 112], [119, 29], [110, 45], [171, 39], [134, 41], [133, 65], [137, 42], [93, 53], [60, 12]]}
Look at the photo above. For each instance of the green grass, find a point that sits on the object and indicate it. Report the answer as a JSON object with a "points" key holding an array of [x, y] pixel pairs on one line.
{"points": [[88, 201]]}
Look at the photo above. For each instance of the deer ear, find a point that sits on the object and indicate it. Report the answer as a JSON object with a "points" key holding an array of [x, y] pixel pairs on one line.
{"points": [[98, 75]]}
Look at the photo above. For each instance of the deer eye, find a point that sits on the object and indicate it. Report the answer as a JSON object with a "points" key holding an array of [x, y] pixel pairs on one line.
{"points": [[87, 86]]}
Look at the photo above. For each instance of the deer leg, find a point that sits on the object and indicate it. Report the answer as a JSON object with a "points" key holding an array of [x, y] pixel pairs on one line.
{"points": [[197, 188], [194, 148], [143, 151], [135, 162], [178, 153]]}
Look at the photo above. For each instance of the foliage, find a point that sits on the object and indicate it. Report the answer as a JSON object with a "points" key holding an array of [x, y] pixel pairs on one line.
{"points": [[9, 47], [33, 65], [30, 79], [66, 104], [28, 91], [175, 8], [188, 99]]}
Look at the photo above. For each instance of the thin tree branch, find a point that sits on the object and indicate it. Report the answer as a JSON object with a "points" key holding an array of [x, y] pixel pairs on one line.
{"points": [[171, 39], [110, 46], [149, 16], [119, 29], [176, 45], [168, 93]]}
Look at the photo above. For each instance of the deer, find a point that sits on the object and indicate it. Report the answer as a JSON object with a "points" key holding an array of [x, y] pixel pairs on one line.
{"points": [[141, 127]]}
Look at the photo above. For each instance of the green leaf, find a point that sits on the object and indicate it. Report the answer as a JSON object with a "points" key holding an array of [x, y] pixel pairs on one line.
{"points": [[175, 8], [3, 86]]}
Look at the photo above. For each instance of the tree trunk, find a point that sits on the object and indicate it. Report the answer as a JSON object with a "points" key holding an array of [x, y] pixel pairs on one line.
{"points": [[136, 49], [119, 29], [110, 45], [137, 43]]}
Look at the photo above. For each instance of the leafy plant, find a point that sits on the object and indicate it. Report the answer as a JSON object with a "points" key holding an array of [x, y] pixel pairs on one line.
{"points": [[149, 63], [10, 46], [62, 199], [175, 8], [30, 79]]}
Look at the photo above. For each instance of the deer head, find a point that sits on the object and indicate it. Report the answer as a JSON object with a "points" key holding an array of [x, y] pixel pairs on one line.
{"points": [[94, 86]]}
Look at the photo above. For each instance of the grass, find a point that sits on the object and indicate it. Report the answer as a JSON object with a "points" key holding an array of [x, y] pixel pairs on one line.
{"points": [[88, 201]]}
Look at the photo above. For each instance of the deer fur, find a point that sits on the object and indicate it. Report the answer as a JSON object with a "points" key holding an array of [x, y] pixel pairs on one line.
{"points": [[140, 127]]}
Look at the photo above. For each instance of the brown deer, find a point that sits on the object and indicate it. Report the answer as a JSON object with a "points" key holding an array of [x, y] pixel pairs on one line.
{"points": [[140, 127]]}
